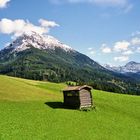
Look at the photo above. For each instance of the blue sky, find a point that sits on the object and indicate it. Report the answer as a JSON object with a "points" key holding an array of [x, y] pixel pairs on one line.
{"points": [[108, 31]]}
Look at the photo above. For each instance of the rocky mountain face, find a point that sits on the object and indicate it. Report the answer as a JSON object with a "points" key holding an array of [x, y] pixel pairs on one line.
{"points": [[41, 42], [40, 57]]}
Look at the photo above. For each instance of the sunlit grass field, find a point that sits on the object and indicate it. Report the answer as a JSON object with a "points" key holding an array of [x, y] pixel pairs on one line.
{"points": [[33, 110]]}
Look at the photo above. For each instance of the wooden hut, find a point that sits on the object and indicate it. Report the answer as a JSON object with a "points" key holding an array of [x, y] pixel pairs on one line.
{"points": [[78, 96]]}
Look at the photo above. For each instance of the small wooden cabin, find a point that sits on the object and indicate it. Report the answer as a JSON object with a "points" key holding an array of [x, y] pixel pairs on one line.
{"points": [[78, 96]]}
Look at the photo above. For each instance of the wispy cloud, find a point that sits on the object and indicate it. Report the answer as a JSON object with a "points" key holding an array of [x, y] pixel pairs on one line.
{"points": [[105, 3], [99, 2], [128, 52], [91, 51], [135, 33], [46, 23], [128, 8], [121, 58], [105, 48], [138, 50], [3, 3], [20, 26]]}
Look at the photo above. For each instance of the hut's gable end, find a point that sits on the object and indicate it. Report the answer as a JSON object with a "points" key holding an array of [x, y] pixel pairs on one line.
{"points": [[85, 98]]}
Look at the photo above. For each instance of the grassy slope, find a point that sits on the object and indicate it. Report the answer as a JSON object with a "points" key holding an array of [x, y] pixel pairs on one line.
{"points": [[24, 114]]}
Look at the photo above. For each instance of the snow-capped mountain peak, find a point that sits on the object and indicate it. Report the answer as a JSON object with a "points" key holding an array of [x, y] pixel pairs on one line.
{"points": [[35, 40], [131, 63], [131, 67]]}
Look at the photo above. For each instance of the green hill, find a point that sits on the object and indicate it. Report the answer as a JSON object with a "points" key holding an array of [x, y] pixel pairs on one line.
{"points": [[33, 110]]}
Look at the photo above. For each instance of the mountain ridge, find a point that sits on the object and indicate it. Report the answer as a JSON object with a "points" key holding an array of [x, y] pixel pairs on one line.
{"points": [[130, 67], [31, 58]]}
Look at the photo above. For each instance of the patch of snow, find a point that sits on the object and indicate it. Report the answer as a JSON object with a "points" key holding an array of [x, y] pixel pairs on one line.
{"points": [[35, 40], [131, 67]]}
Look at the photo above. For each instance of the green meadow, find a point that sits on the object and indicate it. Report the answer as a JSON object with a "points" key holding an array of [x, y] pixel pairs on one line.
{"points": [[33, 110]]}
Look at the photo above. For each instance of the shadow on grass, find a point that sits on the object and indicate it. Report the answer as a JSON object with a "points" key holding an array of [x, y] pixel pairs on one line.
{"points": [[58, 105], [55, 105]]}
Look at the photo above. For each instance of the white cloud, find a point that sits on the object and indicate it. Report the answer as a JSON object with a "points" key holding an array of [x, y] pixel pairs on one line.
{"points": [[19, 26], [128, 52], [90, 49], [105, 49], [46, 23], [92, 52], [135, 41], [121, 46], [138, 50], [3, 3], [121, 58]]}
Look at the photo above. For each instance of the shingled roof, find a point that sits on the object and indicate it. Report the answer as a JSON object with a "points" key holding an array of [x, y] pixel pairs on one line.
{"points": [[76, 88]]}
